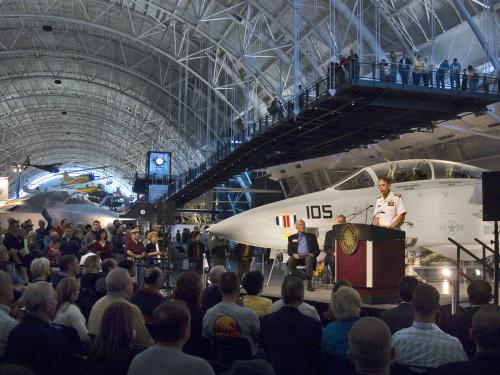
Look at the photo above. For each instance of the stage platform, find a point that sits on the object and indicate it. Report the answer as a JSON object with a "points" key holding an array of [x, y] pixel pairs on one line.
{"points": [[322, 294], [320, 297]]}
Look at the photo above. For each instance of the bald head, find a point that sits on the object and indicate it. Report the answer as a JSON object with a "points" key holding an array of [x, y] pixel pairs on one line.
{"points": [[370, 345]]}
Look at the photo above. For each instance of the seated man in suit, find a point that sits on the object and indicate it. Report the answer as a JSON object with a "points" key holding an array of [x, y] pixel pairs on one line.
{"points": [[303, 249], [401, 316], [480, 294], [329, 246]]}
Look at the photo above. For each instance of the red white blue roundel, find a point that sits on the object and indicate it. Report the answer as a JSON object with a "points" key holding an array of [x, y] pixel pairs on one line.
{"points": [[286, 221]]}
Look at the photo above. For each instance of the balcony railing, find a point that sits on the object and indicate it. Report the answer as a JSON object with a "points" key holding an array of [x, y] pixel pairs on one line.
{"points": [[390, 75]]}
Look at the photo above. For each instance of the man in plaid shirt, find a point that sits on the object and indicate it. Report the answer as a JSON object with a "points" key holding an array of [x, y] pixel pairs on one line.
{"points": [[424, 344]]}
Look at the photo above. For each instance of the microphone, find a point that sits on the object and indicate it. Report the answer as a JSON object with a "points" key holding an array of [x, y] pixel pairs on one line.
{"points": [[359, 212]]}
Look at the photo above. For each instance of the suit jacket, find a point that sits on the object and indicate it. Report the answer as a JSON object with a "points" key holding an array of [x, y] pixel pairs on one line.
{"points": [[312, 244], [399, 317], [459, 326], [329, 246], [292, 342]]}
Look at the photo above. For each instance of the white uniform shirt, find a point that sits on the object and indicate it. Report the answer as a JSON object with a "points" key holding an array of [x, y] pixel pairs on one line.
{"points": [[388, 209]]}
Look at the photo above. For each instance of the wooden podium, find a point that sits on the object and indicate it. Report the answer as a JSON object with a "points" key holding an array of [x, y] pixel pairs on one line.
{"points": [[372, 258]]}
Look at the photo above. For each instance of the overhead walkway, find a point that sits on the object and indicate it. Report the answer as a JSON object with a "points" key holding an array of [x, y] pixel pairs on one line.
{"points": [[360, 111]]}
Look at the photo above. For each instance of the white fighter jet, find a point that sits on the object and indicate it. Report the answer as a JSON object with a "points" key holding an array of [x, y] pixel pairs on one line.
{"points": [[443, 199], [54, 206]]}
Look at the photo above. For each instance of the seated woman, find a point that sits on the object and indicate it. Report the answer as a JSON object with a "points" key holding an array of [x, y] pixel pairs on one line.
{"points": [[188, 289], [112, 350], [345, 306], [68, 314], [40, 270], [253, 283]]}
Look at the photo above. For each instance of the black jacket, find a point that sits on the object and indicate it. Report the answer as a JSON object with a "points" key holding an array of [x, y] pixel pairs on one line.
{"points": [[312, 244], [35, 344], [292, 342], [147, 299], [70, 246], [329, 246], [399, 317], [459, 326], [192, 250]]}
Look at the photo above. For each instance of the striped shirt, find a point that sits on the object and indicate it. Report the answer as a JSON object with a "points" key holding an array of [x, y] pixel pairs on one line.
{"points": [[425, 345]]}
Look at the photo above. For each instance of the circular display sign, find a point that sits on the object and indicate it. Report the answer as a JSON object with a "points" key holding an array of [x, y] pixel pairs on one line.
{"points": [[349, 238]]}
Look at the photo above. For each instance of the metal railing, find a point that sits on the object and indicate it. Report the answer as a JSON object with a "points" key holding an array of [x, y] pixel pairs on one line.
{"points": [[429, 77], [354, 71], [459, 274], [485, 247]]}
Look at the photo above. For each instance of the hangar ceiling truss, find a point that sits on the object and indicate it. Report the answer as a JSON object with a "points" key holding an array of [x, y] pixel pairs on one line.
{"points": [[176, 75]]}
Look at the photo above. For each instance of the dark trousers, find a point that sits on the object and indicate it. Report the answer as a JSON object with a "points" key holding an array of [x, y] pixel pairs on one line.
{"points": [[308, 261], [196, 264], [330, 261], [243, 267], [440, 81]]}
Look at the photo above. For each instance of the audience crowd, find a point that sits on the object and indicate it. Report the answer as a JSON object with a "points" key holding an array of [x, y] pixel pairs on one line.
{"points": [[69, 304]]}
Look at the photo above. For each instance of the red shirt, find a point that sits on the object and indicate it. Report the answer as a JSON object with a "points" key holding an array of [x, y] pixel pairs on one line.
{"points": [[105, 251], [136, 247]]}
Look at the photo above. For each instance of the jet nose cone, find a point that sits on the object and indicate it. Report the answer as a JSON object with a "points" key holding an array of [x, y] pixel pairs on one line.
{"points": [[223, 228]]}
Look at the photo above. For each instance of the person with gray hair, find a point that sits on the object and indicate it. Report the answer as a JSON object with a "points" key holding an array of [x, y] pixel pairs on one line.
{"points": [[345, 306], [485, 332], [370, 347], [33, 342], [303, 249], [119, 289], [292, 340], [40, 269], [211, 296]]}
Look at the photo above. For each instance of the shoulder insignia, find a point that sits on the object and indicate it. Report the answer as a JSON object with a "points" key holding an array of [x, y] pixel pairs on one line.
{"points": [[397, 194]]}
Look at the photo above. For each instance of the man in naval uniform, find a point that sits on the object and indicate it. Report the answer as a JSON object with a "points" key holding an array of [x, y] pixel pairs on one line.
{"points": [[390, 210]]}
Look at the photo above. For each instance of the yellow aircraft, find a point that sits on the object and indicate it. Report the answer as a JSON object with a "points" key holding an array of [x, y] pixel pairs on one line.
{"points": [[89, 189], [81, 179]]}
